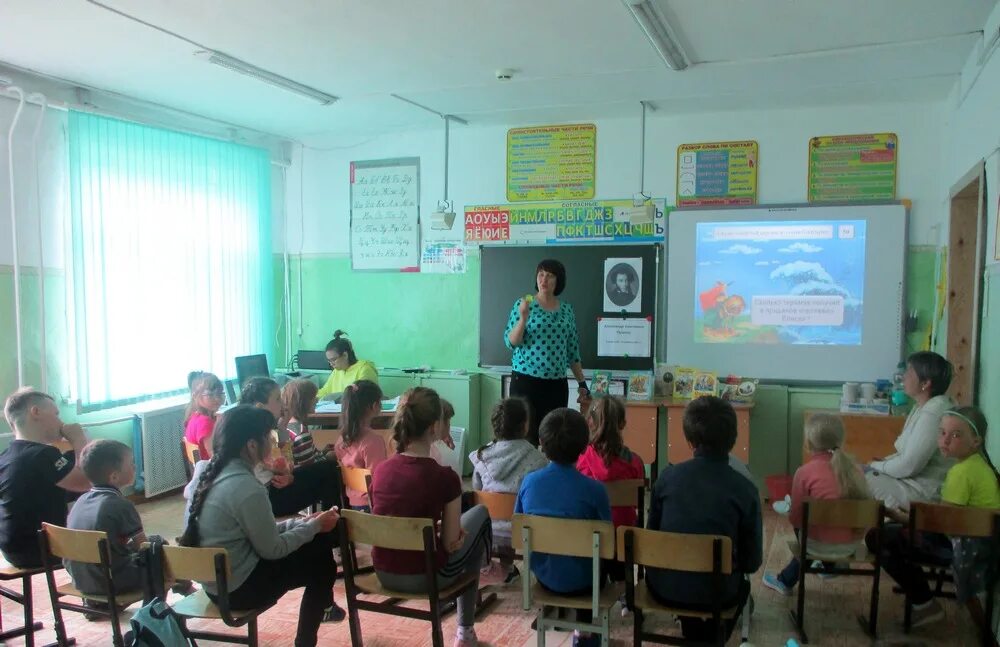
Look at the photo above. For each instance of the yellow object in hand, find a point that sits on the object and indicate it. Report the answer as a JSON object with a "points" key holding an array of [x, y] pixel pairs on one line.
{"points": [[528, 298]]}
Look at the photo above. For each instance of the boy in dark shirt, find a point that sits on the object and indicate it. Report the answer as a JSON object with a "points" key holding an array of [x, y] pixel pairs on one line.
{"points": [[706, 496], [35, 477], [110, 467]]}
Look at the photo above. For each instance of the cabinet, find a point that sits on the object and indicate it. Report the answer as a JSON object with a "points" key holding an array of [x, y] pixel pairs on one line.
{"points": [[678, 449]]}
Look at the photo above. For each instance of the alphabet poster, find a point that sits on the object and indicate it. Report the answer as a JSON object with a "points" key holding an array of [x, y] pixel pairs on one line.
{"points": [[385, 214]]}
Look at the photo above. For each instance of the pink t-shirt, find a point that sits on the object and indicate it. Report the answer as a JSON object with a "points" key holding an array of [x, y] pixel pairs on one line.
{"points": [[816, 480], [199, 431], [366, 452]]}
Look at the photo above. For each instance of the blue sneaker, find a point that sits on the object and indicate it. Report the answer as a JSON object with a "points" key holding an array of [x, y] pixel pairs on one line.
{"points": [[823, 575], [772, 582]]}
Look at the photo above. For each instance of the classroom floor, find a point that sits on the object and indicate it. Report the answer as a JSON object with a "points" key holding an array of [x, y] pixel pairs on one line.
{"points": [[831, 607]]}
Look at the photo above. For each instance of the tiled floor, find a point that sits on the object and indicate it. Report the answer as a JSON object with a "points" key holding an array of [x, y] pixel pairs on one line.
{"points": [[831, 607]]}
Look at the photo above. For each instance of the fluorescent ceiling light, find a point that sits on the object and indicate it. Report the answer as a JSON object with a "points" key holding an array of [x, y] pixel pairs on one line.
{"points": [[658, 31], [254, 72]]}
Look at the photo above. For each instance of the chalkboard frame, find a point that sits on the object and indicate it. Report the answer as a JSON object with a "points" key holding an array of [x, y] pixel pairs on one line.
{"points": [[584, 266]]}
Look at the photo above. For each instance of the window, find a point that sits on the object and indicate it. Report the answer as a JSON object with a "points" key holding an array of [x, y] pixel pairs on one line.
{"points": [[171, 258]]}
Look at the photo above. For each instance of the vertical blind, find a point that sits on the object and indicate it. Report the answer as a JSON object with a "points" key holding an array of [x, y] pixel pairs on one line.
{"points": [[171, 258]]}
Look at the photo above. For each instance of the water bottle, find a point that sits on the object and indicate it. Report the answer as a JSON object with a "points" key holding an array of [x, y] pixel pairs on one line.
{"points": [[898, 392]]}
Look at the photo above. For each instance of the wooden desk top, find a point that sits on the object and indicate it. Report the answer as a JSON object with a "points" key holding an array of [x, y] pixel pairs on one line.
{"points": [[680, 403], [329, 417]]}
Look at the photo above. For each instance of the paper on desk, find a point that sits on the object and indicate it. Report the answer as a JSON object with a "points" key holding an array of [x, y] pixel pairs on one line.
{"points": [[329, 406]]}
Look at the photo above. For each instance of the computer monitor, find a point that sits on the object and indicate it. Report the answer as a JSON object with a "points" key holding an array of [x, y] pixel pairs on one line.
{"points": [[312, 360], [249, 366]]}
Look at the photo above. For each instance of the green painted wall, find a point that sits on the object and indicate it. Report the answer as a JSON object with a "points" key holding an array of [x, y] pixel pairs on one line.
{"points": [[989, 359]]}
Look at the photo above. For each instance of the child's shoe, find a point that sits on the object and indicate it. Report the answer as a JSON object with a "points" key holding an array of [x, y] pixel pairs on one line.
{"points": [[513, 575], [624, 603], [334, 614], [772, 582], [466, 637], [492, 574], [928, 613], [586, 640]]}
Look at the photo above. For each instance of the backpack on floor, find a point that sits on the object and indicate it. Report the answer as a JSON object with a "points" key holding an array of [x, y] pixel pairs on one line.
{"points": [[156, 625]]}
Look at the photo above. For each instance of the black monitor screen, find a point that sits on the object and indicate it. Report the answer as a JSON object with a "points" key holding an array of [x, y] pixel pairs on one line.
{"points": [[251, 366]]}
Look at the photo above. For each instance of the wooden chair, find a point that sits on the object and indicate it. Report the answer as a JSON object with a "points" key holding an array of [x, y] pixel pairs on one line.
{"points": [[858, 515], [399, 533], [708, 554], [24, 597], [501, 508], [629, 493], [356, 478], [324, 437], [191, 456], [207, 565], [572, 538], [957, 521], [89, 547]]}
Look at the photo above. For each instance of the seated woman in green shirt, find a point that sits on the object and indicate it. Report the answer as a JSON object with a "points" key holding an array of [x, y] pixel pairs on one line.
{"points": [[347, 368]]}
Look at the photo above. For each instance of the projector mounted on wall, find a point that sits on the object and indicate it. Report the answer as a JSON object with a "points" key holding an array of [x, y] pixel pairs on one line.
{"points": [[642, 214], [442, 219]]}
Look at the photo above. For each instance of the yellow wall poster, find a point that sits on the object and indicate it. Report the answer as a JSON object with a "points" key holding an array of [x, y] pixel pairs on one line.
{"points": [[844, 168], [717, 174], [551, 162]]}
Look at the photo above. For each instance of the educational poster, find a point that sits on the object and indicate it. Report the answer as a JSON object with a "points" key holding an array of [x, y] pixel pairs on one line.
{"points": [[717, 174], [551, 162], [443, 257], [622, 337], [796, 282], [566, 222], [385, 199], [622, 285], [845, 168]]}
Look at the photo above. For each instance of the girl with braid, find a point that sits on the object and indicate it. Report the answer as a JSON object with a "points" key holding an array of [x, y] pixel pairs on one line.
{"points": [[412, 484], [230, 509], [359, 445], [501, 466]]}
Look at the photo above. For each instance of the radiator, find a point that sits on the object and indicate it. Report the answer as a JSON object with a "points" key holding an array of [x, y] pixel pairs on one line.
{"points": [[157, 440]]}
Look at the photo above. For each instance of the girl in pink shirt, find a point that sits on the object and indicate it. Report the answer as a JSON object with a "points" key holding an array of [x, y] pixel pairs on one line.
{"points": [[207, 395], [358, 445], [830, 473]]}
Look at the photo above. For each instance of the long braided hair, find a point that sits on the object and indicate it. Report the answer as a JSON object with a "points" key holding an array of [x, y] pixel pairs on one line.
{"points": [[235, 429], [508, 420]]}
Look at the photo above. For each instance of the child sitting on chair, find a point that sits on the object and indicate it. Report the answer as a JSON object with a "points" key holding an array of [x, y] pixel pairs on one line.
{"points": [[830, 473], [359, 445], [298, 397], [110, 467], [501, 467], [706, 496], [559, 490]]}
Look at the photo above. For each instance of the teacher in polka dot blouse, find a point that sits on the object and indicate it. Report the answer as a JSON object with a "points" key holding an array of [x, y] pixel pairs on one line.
{"points": [[541, 330]]}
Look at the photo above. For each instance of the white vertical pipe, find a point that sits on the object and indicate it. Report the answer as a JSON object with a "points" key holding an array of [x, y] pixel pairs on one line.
{"points": [[13, 237], [43, 358]]}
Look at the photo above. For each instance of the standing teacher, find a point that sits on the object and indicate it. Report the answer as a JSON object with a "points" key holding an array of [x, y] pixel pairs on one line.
{"points": [[347, 368], [541, 330]]}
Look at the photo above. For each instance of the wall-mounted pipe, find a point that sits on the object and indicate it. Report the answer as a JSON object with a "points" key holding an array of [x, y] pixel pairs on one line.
{"points": [[43, 357], [13, 233]]}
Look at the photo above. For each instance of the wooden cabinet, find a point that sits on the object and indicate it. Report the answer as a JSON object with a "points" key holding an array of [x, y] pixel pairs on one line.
{"points": [[642, 421], [678, 449], [866, 437]]}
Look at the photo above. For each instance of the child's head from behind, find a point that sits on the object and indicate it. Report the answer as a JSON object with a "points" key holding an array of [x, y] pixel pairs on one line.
{"points": [[262, 392], [29, 411], [108, 463], [361, 400], [710, 425], [417, 418], [207, 394], [962, 432], [510, 418], [444, 426], [606, 419], [299, 398], [824, 432], [563, 436]]}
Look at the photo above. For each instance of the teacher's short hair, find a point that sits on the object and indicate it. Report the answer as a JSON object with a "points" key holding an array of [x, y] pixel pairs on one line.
{"points": [[931, 367], [710, 425], [563, 435], [552, 266]]}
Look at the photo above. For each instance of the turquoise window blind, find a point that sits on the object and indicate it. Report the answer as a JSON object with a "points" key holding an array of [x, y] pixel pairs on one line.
{"points": [[171, 258]]}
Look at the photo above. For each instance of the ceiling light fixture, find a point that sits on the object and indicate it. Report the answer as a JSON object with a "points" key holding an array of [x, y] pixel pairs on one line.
{"points": [[254, 72], [658, 31]]}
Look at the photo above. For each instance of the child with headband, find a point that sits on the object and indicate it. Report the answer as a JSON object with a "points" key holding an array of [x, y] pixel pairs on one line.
{"points": [[972, 481]]}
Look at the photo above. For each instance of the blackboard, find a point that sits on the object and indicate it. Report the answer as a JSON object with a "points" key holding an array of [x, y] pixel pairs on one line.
{"points": [[508, 273]]}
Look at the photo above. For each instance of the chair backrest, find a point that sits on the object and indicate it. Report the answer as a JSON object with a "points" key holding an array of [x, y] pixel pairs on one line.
{"points": [[571, 537], [500, 504], [357, 478], [844, 513], [400, 533], [627, 493], [191, 452], [676, 551], [324, 437], [74, 545], [961, 521], [188, 563]]}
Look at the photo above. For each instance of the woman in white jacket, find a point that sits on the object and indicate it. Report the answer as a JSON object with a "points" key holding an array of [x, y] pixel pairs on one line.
{"points": [[501, 466], [917, 469]]}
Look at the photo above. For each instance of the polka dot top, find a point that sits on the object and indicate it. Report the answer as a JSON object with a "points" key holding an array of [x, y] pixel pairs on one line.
{"points": [[550, 345]]}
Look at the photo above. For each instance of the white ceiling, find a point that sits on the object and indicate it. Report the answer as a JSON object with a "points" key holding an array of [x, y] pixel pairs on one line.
{"points": [[575, 59]]}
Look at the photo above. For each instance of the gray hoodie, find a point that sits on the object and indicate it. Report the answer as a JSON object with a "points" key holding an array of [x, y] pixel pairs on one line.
{"points": [[237, 516], [503, 465]]}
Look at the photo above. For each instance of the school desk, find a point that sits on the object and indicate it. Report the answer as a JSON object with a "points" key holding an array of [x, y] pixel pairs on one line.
{"points": [[329, 419], [867, 437]]}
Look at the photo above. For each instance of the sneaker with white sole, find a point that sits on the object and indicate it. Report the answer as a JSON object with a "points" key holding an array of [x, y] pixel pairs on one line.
{"points": [[513, 575], [772, 582], [492, 574], [926, 614]]}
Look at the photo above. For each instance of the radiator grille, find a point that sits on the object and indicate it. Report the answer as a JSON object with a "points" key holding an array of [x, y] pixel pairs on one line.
{"points": [[160, 431]]}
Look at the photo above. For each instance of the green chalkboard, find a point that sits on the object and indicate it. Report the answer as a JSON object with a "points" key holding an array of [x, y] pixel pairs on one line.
{"points": [[508, 273]]}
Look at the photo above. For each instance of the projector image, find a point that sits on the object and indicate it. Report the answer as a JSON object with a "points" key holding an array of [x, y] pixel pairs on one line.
{"points": [[442, 219]]}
